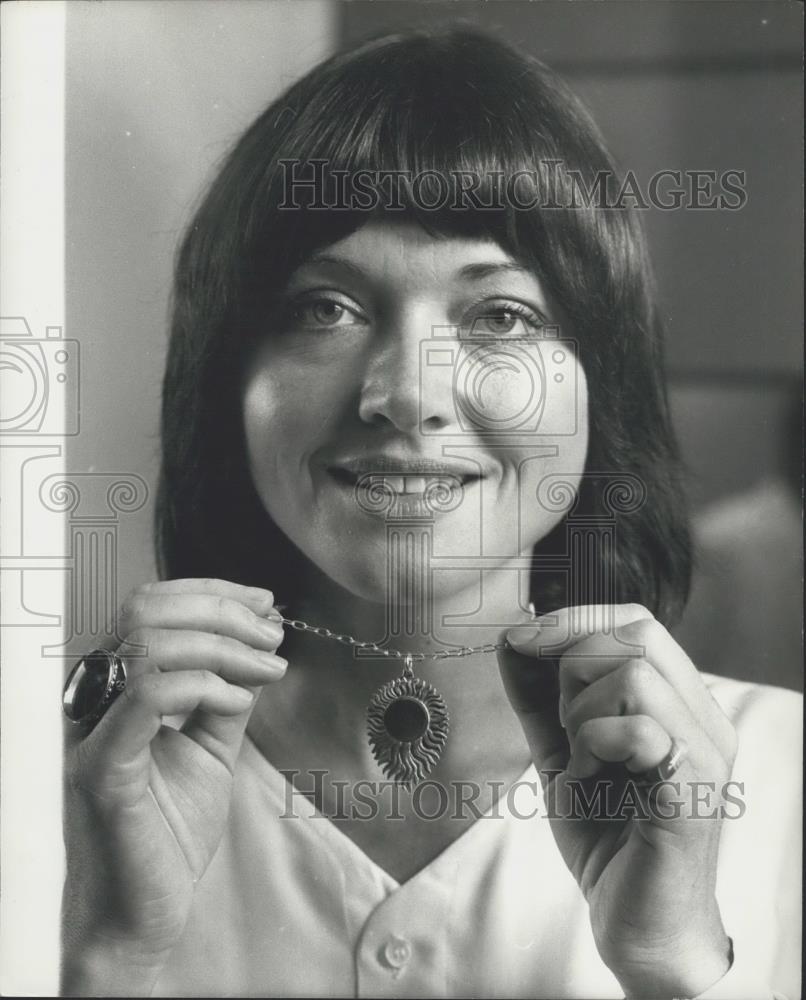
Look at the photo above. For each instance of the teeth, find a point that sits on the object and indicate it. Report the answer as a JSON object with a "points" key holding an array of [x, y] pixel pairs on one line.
{"points": [[395, 483], [415, 484]]}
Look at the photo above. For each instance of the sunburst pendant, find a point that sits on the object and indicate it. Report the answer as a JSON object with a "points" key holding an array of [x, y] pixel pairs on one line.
{"points": [[407, 727]]}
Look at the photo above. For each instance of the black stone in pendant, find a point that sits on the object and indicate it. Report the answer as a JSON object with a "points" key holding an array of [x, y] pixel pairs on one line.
{"points": [[406, 719], [407, 727]]}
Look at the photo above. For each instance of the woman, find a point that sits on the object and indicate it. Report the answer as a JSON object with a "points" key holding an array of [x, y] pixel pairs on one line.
{"points": [[406, 418]]}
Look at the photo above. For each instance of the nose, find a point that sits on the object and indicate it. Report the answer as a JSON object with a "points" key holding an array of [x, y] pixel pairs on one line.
{"points": [[395, 390]]}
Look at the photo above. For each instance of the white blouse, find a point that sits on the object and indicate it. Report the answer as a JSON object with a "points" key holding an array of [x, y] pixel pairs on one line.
{"points": [[292, 907]]}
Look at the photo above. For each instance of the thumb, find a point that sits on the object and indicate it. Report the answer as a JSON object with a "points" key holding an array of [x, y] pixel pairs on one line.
{"points": [[533, 688]]}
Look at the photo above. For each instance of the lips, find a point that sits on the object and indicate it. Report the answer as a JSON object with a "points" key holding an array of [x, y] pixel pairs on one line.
{"points": [[416, 476]]}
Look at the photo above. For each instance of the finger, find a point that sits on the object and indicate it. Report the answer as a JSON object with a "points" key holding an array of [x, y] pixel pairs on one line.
{"points": [[134, 719], [551, 634], [532, 690], [183, 649], [220, 735], [257, 599], [636, 689], [202, 613], [639, 742], [643, 638], [595, 656]]}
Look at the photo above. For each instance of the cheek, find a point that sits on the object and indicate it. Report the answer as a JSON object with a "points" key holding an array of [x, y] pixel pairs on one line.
{"points": [[565, 415], [574, 402], [288, 410], [535, 390], [262, 415], [564, 411], [273, 422], [548, 474], [278, 401]]}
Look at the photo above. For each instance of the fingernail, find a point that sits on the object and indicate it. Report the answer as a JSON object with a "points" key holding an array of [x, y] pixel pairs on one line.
{"points": [[273, 615], [522, 636], [270, 628], [278, 663], [266, 597], [242, 695]]}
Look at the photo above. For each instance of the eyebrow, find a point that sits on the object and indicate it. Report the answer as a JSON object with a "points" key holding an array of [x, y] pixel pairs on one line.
{"points": [[324, 258], [470, 272], [484, 270]]}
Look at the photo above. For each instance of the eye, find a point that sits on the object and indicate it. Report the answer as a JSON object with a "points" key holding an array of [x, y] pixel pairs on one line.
{"points": [[320, 311], [325, 311], [503, 319]]}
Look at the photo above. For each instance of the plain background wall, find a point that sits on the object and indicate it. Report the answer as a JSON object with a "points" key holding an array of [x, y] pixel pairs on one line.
{"points": [[156, 92]]}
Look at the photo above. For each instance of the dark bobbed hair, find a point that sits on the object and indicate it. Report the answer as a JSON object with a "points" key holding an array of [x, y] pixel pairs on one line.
{"points": [[455, 100]]}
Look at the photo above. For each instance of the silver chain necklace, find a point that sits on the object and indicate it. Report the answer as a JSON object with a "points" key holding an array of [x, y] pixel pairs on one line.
{"points": [[392, 654], [407, 718]]}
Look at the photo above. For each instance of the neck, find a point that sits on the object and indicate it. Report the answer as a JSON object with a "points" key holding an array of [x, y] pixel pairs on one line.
{"points": [[422, 613]]}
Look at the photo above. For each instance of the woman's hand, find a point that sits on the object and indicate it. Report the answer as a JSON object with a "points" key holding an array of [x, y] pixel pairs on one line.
{"points": [[146, 804], [625, 690]]}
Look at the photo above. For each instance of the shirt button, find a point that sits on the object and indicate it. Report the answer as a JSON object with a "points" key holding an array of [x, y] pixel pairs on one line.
{"points": [[397, 952]]}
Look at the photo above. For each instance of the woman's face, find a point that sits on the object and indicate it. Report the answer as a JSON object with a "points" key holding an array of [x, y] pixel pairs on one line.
{"points": [[413, 376]]}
